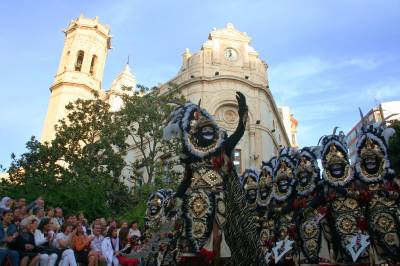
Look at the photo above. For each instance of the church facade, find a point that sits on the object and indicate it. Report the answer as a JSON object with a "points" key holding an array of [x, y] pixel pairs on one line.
{"points": [[225, 63]]}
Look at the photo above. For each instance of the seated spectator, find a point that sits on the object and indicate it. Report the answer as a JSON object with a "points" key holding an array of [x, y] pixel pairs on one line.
{"points": [[25, 244], [8, 235], [125, 248], [82, 220], [81, 244], [39, 202], [38, 213], [110, 247], [63, 242], [96, 243], [44, 236], [17, 216], [134, 230], [72, 219], [21, 202], [5, 204], [49, 212], [23, 212], [58, 219]]}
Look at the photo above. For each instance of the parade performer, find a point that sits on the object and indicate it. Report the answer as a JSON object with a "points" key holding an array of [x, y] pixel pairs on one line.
{"points": [[264, 210], [157, 216], [217, 222], [249, 181], [379, 191], [282, 207], [313, 229], [351, 241]]}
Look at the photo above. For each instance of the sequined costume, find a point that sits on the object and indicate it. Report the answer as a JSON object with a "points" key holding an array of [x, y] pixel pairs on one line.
{"points": [[215, 214], [158, 212], [282, 207], [351, 244], [313, 230], [264, 210], [380, 193]]}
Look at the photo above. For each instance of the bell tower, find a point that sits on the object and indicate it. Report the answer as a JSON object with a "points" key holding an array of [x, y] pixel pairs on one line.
{"points": [[80, 71]]}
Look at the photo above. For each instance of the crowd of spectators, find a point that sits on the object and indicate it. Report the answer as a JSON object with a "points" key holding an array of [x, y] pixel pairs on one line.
{"points": [[32, 235]]}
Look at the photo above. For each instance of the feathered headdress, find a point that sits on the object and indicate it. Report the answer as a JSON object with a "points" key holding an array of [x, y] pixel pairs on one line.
{"points": [[184, 120], [249, 173], [373, 138]]}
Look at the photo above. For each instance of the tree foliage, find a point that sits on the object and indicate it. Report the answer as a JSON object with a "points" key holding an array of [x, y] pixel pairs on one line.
{"points": [[143, 118], [81, 168], [84, 167]]}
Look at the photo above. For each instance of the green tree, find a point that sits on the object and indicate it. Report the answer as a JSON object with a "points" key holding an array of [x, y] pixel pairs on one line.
{"points": [[144, 116], [394, 147], [82, 167]]}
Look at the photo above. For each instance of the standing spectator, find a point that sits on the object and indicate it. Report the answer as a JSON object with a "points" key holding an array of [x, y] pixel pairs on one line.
{"points": [[134, 230], [63, 242], [97, 241], [25, 244], [8, 234], [125, 248], [59, 219], [44, 236], [81, 245], [110, 247]]}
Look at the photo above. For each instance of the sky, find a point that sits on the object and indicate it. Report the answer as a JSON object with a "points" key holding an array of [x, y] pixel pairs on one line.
{"points": [[325, 58]]}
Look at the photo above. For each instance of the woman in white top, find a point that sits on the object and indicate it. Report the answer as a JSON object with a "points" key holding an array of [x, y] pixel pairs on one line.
{"points": [[44, 237], [63, 242], [110, 247]]}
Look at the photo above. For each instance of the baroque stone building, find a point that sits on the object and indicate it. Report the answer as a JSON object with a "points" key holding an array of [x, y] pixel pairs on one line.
{"points": [[225, 63]]}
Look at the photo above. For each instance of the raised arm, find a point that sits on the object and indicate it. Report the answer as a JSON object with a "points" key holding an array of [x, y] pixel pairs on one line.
{"points": [[241, 127]]}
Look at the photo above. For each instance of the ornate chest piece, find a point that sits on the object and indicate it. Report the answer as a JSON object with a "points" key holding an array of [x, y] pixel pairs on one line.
{"points": [[206, 177]]}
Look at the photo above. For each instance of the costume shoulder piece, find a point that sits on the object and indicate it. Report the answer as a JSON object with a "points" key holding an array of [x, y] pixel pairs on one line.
{"points": [[284, 173], [372, 163], [201, 136], [334, 155]]}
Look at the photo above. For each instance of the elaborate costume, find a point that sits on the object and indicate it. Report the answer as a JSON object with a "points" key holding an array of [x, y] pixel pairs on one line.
{"points": [[158, 229], [214, 206], [282, 206], [312, 227], [379, 191], [351, 239]]}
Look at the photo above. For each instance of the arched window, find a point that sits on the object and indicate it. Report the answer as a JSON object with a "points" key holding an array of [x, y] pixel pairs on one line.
{"points": [[93, 64], [79, 60]]}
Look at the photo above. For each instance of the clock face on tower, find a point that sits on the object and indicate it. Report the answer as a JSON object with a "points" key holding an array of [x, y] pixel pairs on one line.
{"points": [[230, 54]]}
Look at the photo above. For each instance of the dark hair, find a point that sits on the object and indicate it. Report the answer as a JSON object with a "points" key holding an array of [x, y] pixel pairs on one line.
{"points": [[4, 212], [45, 221], [123, 235], [36, 210], [110, 231], [65, 225], [133, 222]]}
